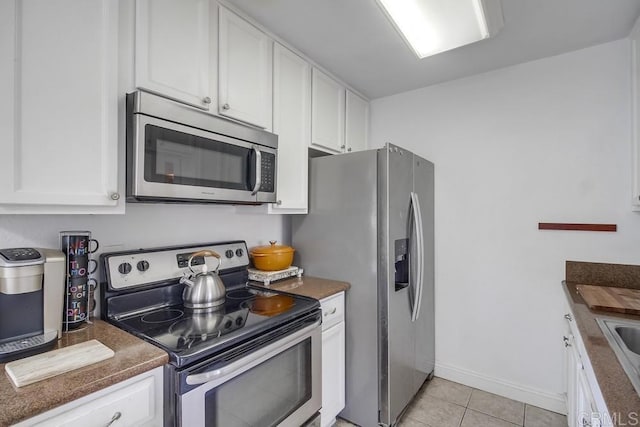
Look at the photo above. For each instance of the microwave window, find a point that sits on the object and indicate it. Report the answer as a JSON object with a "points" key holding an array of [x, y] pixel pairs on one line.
{"points": [[174, 157]]}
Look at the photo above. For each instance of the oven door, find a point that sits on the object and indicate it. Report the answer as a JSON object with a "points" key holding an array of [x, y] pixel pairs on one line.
{"points": [[278, 384], [170, 161]]}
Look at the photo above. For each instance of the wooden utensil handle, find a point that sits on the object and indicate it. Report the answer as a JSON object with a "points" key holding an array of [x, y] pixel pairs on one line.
{"points": [[205, 252]]}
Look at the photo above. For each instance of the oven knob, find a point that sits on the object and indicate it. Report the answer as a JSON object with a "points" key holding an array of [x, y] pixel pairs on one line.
{"points": [[229, 253], [124, 268], [239, 252], [142, 265], [228, 324], [239, 321]]}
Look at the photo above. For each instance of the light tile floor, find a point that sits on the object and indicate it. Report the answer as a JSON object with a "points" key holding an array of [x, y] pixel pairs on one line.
{"points": [[442, 403]]}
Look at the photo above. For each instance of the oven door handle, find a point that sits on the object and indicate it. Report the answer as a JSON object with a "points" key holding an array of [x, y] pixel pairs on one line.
{"points": [[252, 359], [258, 166]]}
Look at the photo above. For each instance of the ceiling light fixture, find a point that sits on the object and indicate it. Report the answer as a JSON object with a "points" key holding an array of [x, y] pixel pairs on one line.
{"points": [[434, 26]]}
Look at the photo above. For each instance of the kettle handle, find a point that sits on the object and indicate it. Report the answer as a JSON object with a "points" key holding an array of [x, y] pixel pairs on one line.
{"points": [[204, 253]]}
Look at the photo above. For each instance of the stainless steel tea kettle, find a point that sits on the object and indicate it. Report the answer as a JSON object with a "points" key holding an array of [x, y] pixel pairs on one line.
{"points": [[204, 290]]}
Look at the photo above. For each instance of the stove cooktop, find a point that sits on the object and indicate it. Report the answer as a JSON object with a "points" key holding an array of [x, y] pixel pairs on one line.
{"points": [[147, 302], [188, 335]]}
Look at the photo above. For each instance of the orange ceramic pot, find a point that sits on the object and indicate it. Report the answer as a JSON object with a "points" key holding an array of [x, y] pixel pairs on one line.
{"points": [[273, 257]]}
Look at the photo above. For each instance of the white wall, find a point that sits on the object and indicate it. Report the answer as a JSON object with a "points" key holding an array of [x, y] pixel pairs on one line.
{"points": [[545, 141]]}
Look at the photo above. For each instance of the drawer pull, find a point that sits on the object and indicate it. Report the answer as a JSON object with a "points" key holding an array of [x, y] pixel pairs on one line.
{"points": [[115, 418], [331, 312], [568, 317]]}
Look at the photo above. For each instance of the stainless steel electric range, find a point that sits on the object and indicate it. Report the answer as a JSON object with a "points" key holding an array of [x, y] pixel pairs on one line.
{"points": [[252, 361]]}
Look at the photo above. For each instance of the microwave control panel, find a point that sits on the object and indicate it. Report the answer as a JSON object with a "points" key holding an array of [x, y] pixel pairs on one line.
{"points": [[268, 172]]}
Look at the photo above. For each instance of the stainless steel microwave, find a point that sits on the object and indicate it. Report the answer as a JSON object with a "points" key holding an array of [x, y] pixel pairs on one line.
{"points": [[176, 153]]}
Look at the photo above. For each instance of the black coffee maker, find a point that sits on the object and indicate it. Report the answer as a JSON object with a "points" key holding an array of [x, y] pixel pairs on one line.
{"points": [[31, 300]]}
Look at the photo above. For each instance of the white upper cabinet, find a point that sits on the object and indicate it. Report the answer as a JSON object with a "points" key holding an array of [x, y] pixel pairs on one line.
{"points": [[59, 106], [292, 124], [327, 113], [172, 42], [357, 122], [245, 71]]}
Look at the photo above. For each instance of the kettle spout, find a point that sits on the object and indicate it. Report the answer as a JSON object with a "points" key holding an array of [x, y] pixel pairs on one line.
{"points": [[186, 281]]}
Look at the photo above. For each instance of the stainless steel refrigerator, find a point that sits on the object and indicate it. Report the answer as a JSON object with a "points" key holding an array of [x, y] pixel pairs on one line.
{"points": [[370, 223]]}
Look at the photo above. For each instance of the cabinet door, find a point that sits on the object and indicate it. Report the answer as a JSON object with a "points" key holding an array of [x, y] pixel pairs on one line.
{"points": [[58, 137], [172, 49], [292, 123], [333, 359], [356, 122], [327, 113], [245, 84], [572, 367]]}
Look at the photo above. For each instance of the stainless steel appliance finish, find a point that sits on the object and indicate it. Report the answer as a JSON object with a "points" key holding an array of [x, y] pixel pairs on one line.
{"points": [[623, 336], [31, 281], [377, 207], [177, 153], [224, 359]]}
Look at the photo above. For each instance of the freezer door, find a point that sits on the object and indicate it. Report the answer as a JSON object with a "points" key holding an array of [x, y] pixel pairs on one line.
{"points": [[423, 184], [396, 283]]}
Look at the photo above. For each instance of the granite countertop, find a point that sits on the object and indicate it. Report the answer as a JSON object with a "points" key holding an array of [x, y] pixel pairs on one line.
{"points": [[307, 286], [133, 356], [621, 398]]}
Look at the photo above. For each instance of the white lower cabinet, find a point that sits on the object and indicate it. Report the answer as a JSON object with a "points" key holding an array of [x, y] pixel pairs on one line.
{"points": [[585, 404], [333, 358], [135, 402]]}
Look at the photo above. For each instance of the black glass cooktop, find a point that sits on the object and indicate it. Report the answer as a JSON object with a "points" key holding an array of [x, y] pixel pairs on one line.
{"points": [[188, 335]]}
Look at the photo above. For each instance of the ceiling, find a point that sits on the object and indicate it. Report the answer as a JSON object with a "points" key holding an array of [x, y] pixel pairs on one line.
{"points": [[355, 41]]}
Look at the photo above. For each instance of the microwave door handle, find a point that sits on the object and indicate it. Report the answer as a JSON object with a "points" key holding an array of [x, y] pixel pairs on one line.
{"points": [[258, 167]]}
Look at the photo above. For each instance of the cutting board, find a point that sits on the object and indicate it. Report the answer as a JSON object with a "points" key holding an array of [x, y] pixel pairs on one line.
{"points": [[46, 365], [619, 300]]}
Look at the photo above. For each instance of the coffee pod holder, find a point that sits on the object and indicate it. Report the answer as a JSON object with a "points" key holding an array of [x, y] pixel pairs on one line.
{"points": [[80, 282]]}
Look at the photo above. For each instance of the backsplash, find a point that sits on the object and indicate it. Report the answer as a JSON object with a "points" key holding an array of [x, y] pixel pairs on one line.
{"points": [[148, 225], [593, 273]]}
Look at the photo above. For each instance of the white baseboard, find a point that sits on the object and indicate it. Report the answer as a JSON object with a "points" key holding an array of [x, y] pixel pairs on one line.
{"points": [[550, 401]]}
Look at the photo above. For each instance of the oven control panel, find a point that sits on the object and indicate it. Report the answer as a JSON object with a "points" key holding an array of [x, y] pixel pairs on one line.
{"points": [[142, 267]]}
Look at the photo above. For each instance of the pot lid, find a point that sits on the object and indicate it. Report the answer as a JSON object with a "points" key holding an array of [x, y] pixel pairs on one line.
{"points": [[272, 249]]}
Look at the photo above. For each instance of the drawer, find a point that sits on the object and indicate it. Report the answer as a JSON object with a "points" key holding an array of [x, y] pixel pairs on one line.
{"points": [[135, 405], [332, 310]]}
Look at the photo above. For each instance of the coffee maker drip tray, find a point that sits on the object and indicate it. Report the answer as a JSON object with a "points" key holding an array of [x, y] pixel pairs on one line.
{"points": [[26, 346]]}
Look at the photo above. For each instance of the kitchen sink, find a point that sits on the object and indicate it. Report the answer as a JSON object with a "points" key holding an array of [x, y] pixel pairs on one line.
{"points": [[624, 338], [630, 336]]}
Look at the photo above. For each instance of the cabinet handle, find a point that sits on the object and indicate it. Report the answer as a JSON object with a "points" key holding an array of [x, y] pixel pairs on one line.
{"points": [[114, 196], [331, 312], [568, 317], [566, 341], [115, 418], [226, 107], [206, 100], [585, 423], [279, 202], [349, 149], [343, 146]]}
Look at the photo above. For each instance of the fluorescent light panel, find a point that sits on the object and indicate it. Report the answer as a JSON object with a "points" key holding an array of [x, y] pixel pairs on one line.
{"points": [[434, 26]]}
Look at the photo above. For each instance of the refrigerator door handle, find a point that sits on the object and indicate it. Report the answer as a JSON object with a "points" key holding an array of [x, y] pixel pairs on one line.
{"points": [[417, 218]]}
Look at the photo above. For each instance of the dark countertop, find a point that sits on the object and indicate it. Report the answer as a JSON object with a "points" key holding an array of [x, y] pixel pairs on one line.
{"points": [[621, 398], [308, 286], [133, 356]]}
